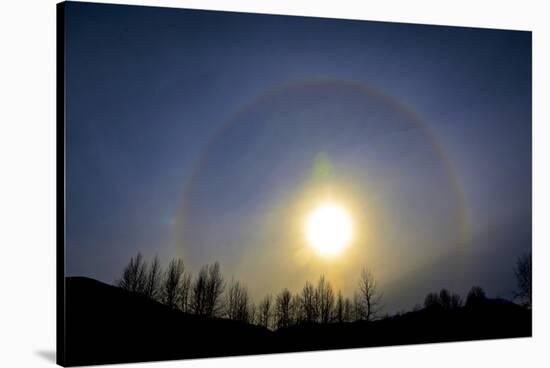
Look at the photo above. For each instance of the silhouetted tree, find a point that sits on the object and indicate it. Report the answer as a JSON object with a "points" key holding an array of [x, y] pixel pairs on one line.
{"points": [[214, 290], [343, 309], [523, 272], [476, 297], [283, 309], [369, 294], [264, 312], [172, 283], [185, 292], [295, 311], [348, 311], [357, 307], [456, 301], [207, 291], [449, 300], [309, 308], [134, 275], [198, 301], [432, 301], [252, 313], [339, 308], [237, 302], [445, 300], [324, 297], [153, 280]]}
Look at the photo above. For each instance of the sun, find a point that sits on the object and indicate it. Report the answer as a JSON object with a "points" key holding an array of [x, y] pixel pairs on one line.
{"points": [[329, 229]]}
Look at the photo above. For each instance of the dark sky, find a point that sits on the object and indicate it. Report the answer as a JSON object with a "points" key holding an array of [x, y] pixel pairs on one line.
{"points": [[207, 136]]}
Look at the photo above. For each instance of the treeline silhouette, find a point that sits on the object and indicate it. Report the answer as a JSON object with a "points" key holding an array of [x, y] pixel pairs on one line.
{"points": [[159, 313], [208, 294]]}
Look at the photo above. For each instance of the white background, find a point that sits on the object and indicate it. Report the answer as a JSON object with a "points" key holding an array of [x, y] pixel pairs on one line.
{"points": [[27, 181]]}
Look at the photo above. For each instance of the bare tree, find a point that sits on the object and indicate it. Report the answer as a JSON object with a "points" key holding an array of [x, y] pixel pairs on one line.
{"points": [[324, 297], [207, 291], [339, 308], [456, 301], [449, 300], [198, 302], [237, 302], [295, 310], [369, 294], [357, 307], [264, 312], [309, 309], [348, 311], [134, 276], [214, 289], [283, 309], [476, 297], [185, 293], [153, 280], [252, 313], [432, 301], [172, 283], [445, 300], [523, 272]]}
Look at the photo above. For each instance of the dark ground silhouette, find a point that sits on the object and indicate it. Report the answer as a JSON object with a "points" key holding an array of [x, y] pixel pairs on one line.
{"points": [[106, 324]]}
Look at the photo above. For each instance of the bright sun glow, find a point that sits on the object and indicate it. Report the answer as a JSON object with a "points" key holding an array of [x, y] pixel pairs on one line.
{"points": [[329, 229]]}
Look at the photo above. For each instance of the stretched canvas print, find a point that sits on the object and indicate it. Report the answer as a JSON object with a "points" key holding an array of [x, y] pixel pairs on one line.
{"points": [[235, 183]]}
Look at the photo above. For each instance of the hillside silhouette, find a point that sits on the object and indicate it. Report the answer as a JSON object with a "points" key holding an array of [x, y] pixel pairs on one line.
{"points": [[108, 324], [105, 324]]}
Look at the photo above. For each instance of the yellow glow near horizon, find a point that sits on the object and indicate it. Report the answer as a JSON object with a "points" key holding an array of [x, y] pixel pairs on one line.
{"points": [[329, 229]]}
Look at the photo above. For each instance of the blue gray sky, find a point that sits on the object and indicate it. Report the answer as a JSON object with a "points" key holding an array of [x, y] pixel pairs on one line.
{"points": [[209, 135]]}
